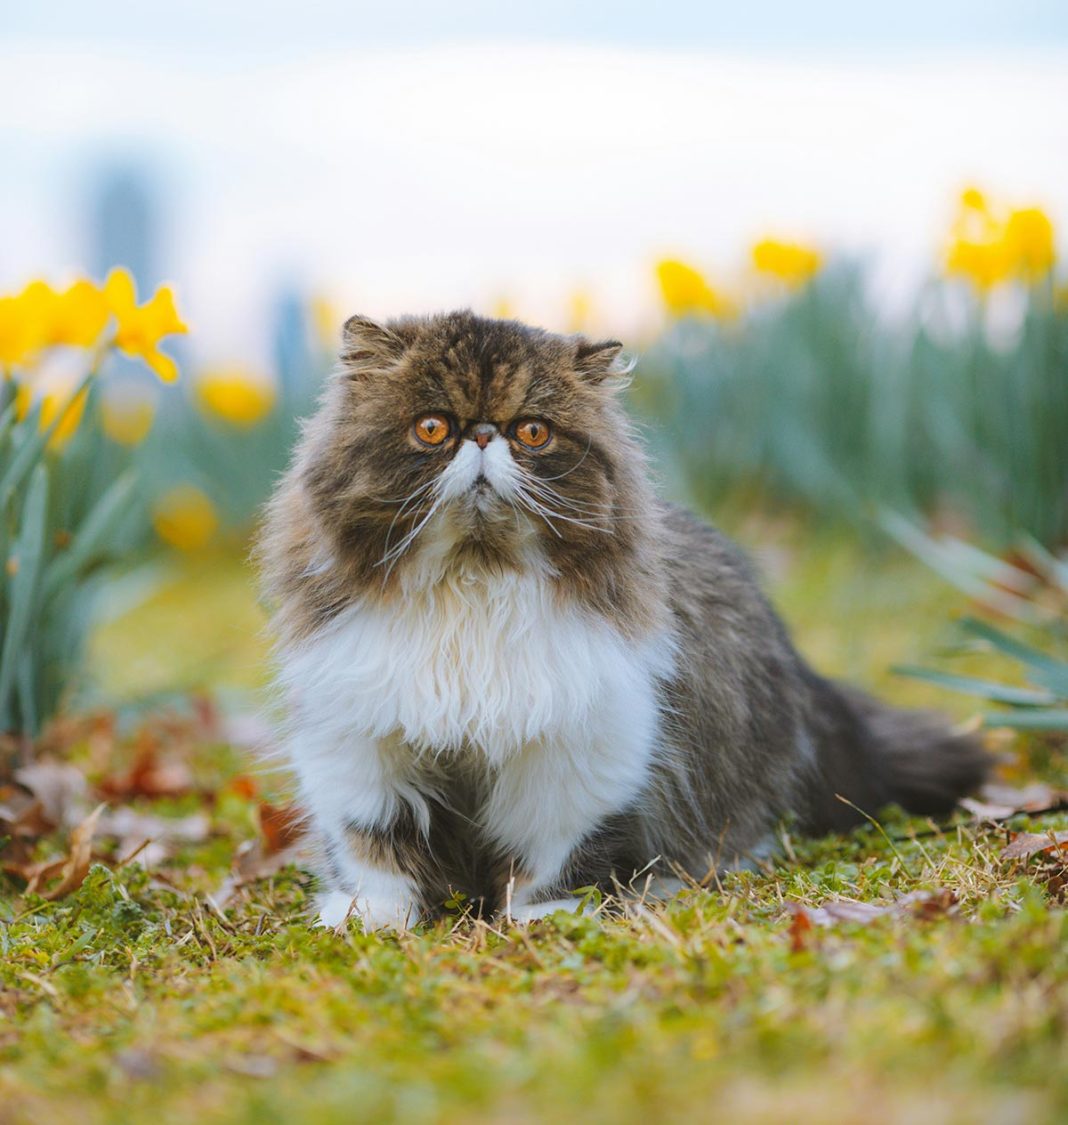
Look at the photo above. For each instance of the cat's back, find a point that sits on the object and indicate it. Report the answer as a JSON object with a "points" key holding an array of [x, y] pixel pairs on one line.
{"points": [[713, 585]]}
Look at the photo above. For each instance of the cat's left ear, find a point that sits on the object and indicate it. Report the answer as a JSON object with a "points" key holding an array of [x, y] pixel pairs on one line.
{"points": [[599, 360]]}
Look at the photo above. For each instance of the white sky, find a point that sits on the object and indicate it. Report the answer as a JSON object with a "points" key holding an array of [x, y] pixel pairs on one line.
{"points": [[411, 178]]}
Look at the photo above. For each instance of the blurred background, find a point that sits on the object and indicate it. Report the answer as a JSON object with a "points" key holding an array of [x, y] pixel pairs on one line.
{"points": [[832, 235]]}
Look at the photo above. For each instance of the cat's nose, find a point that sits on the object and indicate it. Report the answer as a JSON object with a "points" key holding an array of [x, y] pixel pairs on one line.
{"points": [[483, 433]]}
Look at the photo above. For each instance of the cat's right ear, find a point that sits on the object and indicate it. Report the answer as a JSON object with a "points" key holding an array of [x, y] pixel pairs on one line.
{"points": [[366, 343]]}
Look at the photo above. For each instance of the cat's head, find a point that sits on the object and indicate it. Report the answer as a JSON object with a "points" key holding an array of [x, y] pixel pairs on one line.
{"points": [[459, 439]]}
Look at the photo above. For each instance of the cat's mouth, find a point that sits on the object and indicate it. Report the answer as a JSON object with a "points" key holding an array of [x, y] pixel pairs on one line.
{"points": [[483, 495]]}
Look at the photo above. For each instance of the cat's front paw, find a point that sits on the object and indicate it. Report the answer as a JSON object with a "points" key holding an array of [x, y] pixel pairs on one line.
{"points": [[375, 913]]}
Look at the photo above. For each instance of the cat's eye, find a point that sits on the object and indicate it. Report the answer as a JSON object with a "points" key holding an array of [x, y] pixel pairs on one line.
{"points": [[432, 429], [532, 432]]}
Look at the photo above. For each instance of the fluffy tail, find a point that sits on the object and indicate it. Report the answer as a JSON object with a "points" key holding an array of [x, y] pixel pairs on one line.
{"points": [[874, 755]]}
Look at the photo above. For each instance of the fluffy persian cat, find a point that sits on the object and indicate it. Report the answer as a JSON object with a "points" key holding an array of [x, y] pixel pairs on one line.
{"points": [[510, 670]]}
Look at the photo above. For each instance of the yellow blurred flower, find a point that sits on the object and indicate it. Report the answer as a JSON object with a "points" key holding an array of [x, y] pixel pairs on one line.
{"points": [[235, 396], [59, 405], [791, 262], [139, 328], [984, 264], [126, 419], [987, 247], [41, 317], [972, 199], [16, 334], [185, 518], [685, 291], [79, 315], [503, 309], [579, 310], [326, 322], [1030, 241]]}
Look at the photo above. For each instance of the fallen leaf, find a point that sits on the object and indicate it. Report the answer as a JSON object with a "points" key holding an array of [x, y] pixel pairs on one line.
{"points": [[282, 841], [917, 904], [999, 802], [79, 856], [60, 788], [800, 930], [244, 786], [150, 776], [281, 826], [1026, 844]]}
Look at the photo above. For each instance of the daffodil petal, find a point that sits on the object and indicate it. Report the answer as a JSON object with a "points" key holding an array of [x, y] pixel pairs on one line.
{"points": [[120, 290], [162, 365]]}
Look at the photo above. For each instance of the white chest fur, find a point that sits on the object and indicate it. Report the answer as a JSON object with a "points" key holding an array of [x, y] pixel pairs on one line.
{"points": [[491, 662]]}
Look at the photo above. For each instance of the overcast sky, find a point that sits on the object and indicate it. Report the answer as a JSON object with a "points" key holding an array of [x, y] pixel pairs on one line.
{"points": [[423, 155], [760, 25]]}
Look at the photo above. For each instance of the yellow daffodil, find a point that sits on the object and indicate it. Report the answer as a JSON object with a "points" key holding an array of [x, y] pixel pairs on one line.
{"points": [[126, 416], [1030, 242], [235, 396], [185, 518], [984, 264], [988, 248], [41, 317], [790, 262], [503, 308], [685, 292], [16, 340], [325, 321], [579, 311], [139, 328], [79, 315], [57, 402], [972, 199], [25, 323]]}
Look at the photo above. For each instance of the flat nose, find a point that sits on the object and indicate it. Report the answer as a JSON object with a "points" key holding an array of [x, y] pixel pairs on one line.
{"points": [[483, 433]]}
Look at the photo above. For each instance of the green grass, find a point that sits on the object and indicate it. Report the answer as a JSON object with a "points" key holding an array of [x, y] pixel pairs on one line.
{"points": [[134, 999]]}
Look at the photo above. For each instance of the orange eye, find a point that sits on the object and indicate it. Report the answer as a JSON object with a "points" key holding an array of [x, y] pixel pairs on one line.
{"points": [[533, 433], [431, 429]]}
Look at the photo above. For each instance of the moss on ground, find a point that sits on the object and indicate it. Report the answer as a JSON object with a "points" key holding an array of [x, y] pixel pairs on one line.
{"points": [[136, 998]]}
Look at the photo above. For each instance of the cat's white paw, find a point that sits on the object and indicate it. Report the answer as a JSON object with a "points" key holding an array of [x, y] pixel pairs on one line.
{"points": [[535, 910], [336, 907]]}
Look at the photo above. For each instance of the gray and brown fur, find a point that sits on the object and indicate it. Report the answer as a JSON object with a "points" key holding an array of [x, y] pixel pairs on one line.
{"points": [[755, 735]]}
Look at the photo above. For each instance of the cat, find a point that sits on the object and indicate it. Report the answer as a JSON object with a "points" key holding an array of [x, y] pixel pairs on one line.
{"points": [[511, 670]]}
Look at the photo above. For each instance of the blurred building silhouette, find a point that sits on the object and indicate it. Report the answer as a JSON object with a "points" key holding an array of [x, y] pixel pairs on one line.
{"points": [[292, 347], [124, 219]]}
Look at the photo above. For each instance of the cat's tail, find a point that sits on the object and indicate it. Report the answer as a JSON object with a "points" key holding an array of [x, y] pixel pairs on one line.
{"points": [[869, 755]]}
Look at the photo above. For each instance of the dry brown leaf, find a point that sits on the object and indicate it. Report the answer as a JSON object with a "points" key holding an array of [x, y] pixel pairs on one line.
{"points": [[60, 788], [916, 904], [150, 776], [282, 841], [1026, 844], [244, 786], [800, 930], [282, 826], [79, 857], [999, 802]]}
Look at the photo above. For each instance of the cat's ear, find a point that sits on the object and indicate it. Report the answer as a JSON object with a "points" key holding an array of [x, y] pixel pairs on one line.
{"points": [[598, 361], [365, 342]]}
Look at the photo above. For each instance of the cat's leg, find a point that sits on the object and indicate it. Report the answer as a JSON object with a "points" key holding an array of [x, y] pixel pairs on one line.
{"points": [[555, 793], [371, 825]]}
